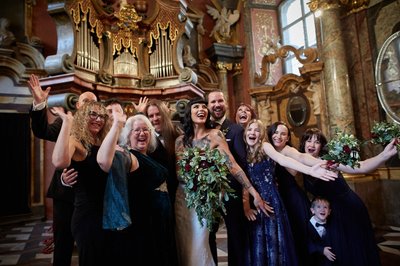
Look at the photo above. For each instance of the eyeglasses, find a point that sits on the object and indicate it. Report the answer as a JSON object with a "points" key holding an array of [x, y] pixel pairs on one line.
{"points": [[137, 131], [93, 115]]}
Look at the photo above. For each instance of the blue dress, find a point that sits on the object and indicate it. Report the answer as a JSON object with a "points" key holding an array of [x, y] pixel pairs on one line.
{"points": [[353, 239], [271, 241], [297, 206]]}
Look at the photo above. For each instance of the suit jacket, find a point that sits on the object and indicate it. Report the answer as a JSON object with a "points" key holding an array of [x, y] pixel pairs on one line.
{"points": [[316, 245], [43, 130], [234, 137]]}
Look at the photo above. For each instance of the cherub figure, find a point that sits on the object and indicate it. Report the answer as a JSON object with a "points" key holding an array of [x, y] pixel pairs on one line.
{"points": [[187, 57], [225, 19], [7, 38]]}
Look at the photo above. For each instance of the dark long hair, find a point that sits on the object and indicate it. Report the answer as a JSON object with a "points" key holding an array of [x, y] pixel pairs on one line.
{"points": [[308, 134], [188, 128], [168, 130], [272, 129]]}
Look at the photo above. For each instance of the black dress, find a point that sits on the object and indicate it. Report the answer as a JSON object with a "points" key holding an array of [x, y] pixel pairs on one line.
{"points": [[150, 239], [352, 236], [297, 207], [88, 213]]}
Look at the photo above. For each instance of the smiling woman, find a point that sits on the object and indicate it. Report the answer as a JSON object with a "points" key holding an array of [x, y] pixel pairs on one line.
{"points": [[244, 114]]}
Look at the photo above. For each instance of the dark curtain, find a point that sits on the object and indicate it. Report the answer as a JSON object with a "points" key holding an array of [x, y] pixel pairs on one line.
{"points": [[15, 145]]}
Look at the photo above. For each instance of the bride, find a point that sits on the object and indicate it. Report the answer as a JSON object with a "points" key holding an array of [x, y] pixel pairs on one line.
{"points": [[192, 238]]}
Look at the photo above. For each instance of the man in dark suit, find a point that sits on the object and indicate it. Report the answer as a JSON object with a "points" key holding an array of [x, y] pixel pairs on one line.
{"points": [[234, 217], [63, 196]]}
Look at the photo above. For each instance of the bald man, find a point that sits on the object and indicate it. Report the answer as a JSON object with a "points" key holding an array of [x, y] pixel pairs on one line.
{"points": [[63, 196]]}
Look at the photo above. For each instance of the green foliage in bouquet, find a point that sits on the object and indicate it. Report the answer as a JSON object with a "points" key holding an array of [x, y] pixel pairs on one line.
{"points": [[204, 172], [383, 132], [343, 149]]}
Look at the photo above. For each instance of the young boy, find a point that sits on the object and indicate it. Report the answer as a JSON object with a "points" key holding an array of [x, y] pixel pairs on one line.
{"points": [[318, 241]]}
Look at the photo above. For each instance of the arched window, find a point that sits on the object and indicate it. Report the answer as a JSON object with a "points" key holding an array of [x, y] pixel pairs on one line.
{"points": [[298, 30]]}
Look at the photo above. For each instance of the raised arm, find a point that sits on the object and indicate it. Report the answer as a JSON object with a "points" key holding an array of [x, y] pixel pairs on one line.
{"points": [[65, 144], [316, 170], [304, 158], [372, 163], [218, 141], [107, 149]]}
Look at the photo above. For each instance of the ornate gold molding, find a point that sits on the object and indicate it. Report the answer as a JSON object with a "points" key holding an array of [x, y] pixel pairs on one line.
{"points": [[128, 18], [352, 6], [315, 5], [223, 66], [304, 56]]}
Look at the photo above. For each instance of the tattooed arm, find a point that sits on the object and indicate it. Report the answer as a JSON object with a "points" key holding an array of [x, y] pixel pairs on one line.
{"points": [[217, 140], [178, 151]]}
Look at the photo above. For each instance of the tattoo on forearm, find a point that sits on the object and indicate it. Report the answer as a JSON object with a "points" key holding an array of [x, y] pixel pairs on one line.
{"points": [[242, 179], [221, 135]]}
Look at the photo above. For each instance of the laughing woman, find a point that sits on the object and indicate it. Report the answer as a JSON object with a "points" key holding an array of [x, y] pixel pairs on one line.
{"points": [[77, 146], [192, 237], [149, 240]]}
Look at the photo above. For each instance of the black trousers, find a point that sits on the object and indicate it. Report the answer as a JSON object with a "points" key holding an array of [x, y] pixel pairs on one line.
{"points": [[63, 239], [236, 230]]}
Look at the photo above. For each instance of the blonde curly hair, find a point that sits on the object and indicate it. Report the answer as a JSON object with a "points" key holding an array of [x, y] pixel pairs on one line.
{"points": [[80, 130], [258, 154]]}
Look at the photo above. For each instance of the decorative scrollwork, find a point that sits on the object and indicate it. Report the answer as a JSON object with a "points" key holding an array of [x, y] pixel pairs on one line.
{"points": [[148, 80], [304, 56]]}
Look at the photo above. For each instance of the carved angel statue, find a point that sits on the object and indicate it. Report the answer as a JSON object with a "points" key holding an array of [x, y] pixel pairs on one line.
{"points": [[225, 19], [7, 38]]}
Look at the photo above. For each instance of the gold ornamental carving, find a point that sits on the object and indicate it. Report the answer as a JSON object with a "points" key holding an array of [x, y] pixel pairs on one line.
{"points": [[304, 56], [352, 6], [83, 10], [224, 66], [128, 18]]}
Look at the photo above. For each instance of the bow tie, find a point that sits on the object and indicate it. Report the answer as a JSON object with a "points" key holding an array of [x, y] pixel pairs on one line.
{"points": [[318, 225]]}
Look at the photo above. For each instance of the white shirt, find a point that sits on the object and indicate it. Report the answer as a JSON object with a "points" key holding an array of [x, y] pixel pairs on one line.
{"points": [[320, 229]]}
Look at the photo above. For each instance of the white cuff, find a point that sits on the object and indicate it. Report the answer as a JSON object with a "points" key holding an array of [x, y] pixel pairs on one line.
{"points": [[38, 107], [64, 184]]}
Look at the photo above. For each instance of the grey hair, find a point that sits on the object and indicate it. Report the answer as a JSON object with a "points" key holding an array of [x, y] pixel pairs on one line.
{"points": [[124, 137]]}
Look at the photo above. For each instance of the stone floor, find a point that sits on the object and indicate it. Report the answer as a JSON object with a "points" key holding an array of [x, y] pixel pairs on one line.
{"points": [[23, 243]]}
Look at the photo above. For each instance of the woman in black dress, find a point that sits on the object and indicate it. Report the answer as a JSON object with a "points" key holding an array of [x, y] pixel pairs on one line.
{"points": [[76, 147], [149, 240], [352, 236]]}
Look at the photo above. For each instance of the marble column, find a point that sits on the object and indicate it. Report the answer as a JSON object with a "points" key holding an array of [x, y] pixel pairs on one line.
{"points": [[223, 68], [336, 79], [238, 89]]}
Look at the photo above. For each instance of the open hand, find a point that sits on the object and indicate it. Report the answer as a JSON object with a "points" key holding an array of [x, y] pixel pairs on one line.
{"points": [[141, 106], [329, 254], [262, 205], [38, 94], [323, 173]]}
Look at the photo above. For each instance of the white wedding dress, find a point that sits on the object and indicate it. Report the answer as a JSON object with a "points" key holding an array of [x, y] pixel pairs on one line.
{"points": [[192, 238]]}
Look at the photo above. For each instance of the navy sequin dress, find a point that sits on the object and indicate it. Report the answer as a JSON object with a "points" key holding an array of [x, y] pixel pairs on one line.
{"points": [[271, 241]]}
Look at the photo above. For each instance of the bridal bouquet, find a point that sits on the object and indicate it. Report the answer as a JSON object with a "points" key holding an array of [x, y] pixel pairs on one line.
{"points": [[343, 149], [383, 132], [206, 186]]}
